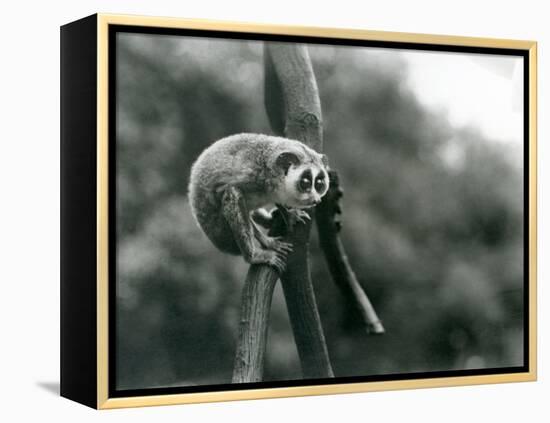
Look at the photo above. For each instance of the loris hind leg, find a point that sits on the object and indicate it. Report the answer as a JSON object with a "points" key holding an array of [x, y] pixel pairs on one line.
{"points": [[237, 216]]}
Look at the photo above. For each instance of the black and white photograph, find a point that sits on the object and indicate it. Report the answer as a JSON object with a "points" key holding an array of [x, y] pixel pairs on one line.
{"points": [[294, 212]]}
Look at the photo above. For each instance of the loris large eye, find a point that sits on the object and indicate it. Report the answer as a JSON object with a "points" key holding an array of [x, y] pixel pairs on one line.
{"points": [[320, 183], [305, 181]]}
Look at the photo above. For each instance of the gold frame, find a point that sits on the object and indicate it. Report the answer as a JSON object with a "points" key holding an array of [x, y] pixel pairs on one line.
{"points": [[103, 401]]}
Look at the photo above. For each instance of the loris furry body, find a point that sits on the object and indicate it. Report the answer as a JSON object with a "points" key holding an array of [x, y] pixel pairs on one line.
{"points": [[237, 175]]}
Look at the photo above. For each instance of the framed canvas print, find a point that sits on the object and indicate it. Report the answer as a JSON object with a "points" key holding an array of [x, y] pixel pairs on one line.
{"points": [[254, 211]]}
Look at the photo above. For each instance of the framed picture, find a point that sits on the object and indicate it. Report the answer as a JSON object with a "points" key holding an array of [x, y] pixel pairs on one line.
{"points": [[253, 211]]}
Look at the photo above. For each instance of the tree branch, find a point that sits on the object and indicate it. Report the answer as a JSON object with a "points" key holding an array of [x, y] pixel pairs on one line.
{"points": [[291, 95], [342, 273], [253, 325]]}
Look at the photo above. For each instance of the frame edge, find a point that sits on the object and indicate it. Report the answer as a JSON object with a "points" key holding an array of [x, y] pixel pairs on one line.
{"points": [[314, 31], [78, 255], [102, 213], [533, 182], [103, 22]]}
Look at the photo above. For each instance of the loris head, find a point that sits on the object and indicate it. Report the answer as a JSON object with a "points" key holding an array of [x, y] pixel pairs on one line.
{"points": [[305, 179]]}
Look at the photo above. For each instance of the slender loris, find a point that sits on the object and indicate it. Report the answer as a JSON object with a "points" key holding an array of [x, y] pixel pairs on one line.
{"points": [[235, 179]]}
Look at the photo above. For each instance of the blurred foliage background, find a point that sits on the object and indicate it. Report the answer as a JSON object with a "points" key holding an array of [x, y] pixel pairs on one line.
{"points": [[433, 220]]}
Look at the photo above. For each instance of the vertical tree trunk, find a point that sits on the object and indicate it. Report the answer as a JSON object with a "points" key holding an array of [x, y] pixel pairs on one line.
{"points": [[294, 110], [293, 107]]}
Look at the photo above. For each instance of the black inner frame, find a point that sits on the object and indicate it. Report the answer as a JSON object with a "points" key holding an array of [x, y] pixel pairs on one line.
{"points": [[112, 32]]}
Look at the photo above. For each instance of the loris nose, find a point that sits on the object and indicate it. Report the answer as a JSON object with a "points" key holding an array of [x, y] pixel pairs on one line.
{"points": [[316, 200]]}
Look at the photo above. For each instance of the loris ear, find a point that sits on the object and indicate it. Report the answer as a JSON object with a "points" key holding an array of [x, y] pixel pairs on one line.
{"points": [[286, 159]]}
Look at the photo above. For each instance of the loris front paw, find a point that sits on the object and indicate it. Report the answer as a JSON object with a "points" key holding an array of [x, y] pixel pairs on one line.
{"points": [[291, 217], [295, 216]]}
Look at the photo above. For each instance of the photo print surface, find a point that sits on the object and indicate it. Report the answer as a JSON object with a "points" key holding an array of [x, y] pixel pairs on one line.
{"points": [[429, 147]]}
